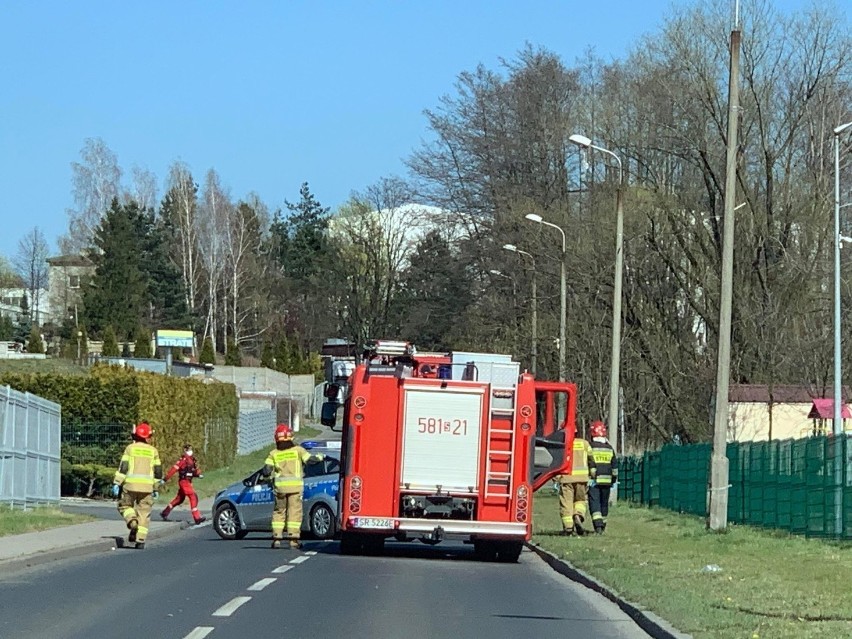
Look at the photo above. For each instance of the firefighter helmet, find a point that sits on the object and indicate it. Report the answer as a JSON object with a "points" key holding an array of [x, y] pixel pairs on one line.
{"points": [[283, 433], [143, 430], [598, 429]]}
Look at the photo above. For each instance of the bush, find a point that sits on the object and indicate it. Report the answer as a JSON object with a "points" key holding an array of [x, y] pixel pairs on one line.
{"points": [[110, 346], [34, 344], [232, 354], [208, 355]]}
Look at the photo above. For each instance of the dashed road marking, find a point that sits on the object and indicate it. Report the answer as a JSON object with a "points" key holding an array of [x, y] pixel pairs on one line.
{"points": [[229, 608], [299, 560], [281, 569], [199, 632], [263, 583], [311, 553]]}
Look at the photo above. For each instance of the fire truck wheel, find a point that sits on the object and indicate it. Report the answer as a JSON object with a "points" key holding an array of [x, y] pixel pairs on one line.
{"points": [[509, 552], [321, 522], [485, 549], [350, 544]]}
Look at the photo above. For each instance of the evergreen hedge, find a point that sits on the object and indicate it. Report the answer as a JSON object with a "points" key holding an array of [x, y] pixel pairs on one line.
{"points": [[180, 411]]}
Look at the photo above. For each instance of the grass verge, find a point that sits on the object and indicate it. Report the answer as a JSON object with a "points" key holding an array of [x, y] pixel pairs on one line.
{"points": [[243, 465], [771, 584], [16, 522], [49, 365]]}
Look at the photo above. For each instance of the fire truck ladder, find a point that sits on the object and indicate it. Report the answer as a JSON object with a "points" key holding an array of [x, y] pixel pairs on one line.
{"points": [[498, 484]]}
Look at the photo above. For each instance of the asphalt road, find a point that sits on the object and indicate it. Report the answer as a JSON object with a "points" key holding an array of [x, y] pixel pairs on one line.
{"points": [[193, 585]]}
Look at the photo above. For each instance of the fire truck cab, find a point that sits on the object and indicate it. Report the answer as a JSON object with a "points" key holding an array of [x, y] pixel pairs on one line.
{"points": [[448, 446]]}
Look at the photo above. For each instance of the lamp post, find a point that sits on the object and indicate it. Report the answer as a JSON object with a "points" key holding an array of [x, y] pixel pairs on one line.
{"points": [[837, 426], [615, 366], [534, 330], [533, 217]]}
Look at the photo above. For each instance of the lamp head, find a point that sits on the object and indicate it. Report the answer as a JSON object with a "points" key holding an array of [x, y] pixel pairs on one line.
{"points": [[840, 129], [533, 217], [510, 247], [580, 140]]}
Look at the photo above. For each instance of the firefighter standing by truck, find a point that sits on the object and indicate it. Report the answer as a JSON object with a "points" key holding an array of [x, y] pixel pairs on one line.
{"points": [[139, 468], [186, 468], [285, 464], [573, 489], [603, 474]]}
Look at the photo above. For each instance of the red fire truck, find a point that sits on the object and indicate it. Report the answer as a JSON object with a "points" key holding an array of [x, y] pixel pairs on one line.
{"points": [[448, 446]]}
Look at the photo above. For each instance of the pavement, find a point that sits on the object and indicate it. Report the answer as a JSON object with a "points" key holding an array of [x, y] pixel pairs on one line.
{"points": [[109, 532]]}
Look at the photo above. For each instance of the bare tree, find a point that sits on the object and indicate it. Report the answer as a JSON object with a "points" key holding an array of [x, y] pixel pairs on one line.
{"points": [[31, 265], [96, 181], [213, 223], [143, 188], [180, 207]]}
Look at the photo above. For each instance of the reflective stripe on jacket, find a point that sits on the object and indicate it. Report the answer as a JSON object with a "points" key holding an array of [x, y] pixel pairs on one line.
{"points": [[139, 467], [605, 470], [287, 468], [583, 460]]}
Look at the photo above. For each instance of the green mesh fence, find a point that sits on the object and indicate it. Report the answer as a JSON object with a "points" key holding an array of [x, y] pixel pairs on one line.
{"points": [[803, 486]]}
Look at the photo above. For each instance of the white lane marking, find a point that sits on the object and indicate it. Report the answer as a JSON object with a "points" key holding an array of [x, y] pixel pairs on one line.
{"points": [[263, 583], [229, 608], [281, 569], [311, 553], [299, 560], [199, 632]]}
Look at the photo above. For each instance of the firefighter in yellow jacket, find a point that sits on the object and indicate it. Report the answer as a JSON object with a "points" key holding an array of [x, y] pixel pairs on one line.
{"points": [[286, 466], [139, 468], [573, 488]]}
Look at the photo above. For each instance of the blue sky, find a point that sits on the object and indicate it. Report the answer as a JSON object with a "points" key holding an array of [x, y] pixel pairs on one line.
{"points": [[270, 94]]}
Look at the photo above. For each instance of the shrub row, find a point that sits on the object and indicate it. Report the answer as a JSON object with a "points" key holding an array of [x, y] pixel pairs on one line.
{"points": [[179, 410]]}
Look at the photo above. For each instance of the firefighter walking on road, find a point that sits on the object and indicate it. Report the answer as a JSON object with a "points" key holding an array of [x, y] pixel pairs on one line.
{"points": [[187, 469], [285, 464], [603, 474], [573, 489], [139, 468]]}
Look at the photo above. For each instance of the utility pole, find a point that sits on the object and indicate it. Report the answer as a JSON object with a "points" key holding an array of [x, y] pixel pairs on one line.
{"points": [[719, 460]]}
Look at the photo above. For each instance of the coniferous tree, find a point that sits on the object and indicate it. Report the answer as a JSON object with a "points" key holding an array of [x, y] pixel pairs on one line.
{"points": [[232, 355], [7, 329], [267, 355], [142, 345], [118, 292], [125, 349], [208, 355], [35, 344], [110, 345]]}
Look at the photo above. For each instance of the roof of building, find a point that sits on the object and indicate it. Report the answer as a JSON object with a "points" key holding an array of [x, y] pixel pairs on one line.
{"points": [[779, 394], [824, 409], [70, 260]]}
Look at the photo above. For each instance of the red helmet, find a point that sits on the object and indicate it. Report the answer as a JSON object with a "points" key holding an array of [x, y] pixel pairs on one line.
{"points": [[143, 431], [283, 433], [598, 429]]}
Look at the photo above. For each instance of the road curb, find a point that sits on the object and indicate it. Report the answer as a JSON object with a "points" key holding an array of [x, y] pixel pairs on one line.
{"points": [[655, 626], [102, 544]]}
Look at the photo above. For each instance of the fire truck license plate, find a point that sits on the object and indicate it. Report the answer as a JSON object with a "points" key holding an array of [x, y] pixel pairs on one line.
{"points": [[373, 522]]}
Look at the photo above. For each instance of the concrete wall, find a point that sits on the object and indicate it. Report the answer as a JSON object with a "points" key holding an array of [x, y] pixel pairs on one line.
{"points": [[248, 379]]}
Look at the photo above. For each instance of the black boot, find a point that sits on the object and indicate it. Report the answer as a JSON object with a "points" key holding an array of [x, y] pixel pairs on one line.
{"points": [[578, 525]]}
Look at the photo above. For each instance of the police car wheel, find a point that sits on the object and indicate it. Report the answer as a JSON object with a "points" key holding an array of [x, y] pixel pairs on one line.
{"points": [[322, 522], [226, 522]]}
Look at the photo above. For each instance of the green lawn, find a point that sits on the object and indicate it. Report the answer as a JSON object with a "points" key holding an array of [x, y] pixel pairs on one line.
{"points": [[17, 521], [771, 584], [243, 465]]}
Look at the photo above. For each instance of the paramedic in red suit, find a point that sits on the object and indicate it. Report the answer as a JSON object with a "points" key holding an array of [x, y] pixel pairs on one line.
{"points": [[186, 468]]}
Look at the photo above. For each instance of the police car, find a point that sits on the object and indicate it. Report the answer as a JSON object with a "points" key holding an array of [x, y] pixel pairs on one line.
{"points": [[246, 506]]}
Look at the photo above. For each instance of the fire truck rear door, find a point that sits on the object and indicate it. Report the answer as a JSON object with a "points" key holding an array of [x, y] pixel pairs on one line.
{"points": [[441, 438]]}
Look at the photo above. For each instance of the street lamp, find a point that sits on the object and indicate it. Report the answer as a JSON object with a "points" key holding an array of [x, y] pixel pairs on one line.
{"points": [[534, 331], [533, 217], [614, 379], [837, 426]]}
